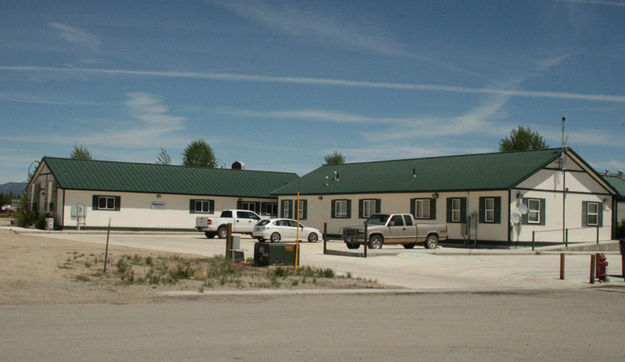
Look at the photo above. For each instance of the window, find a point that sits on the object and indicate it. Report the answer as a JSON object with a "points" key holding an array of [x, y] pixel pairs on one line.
{"points": [[248, 205], [302, 208], [247, 215], [396, 220], [592, 213], [408, 220], [422, 208], [490, 210], [202, 206], [106, 203], [341, 209], [533, 211], [286, 209], [368, 207], [456, 210]]}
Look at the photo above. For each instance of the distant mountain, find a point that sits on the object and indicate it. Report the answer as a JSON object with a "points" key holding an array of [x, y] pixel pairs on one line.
{"points": [[15, 188]]}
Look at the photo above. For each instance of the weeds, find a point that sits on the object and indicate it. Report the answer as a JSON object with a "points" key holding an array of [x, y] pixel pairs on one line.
{"points": [[203, 273]]}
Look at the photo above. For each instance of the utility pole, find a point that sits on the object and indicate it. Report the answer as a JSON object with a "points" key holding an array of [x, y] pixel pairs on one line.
{"points": [[562, 164]]}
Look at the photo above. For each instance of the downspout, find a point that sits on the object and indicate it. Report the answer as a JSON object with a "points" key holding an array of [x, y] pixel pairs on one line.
{"points": [[509, 210], [63, 211]]}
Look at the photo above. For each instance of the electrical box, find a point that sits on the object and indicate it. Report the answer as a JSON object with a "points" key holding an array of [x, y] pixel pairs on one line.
{"points": [[275, 254]]}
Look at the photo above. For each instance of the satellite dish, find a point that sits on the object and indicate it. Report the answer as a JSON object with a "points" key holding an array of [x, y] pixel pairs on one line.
{"points": [[515, 218], [523, 209]]}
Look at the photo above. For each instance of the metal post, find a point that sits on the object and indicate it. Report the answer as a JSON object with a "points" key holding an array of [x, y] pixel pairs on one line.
{"points": [[229, 243], [566, 240], [561, 266], [365, 239], [106, 249], [297, 237], [325, 237], [597, 234], [592, 268], [533, 240]]}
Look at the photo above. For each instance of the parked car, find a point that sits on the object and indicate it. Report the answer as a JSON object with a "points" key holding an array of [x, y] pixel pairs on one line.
{"points": [[394, 229], [275, 230], [243, 221]]}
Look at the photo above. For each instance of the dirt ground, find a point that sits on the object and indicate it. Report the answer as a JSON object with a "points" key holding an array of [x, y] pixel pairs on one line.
{"points": [[36, 270]]}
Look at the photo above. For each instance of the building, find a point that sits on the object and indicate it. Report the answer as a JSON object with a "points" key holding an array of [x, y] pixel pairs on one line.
{"points": [[618, 183], [548, 195], [146, 196]]}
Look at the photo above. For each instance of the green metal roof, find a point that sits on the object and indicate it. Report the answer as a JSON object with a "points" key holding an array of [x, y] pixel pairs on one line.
{"points": [[490, 171], [617, 183], [164, 179]]}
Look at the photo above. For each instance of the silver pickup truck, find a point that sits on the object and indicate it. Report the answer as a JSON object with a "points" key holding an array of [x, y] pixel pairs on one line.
{"points": [[394, 229]]}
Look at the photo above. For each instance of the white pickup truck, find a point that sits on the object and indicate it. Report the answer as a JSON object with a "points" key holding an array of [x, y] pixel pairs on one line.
{"points": [[243, 221], [394, 229]]}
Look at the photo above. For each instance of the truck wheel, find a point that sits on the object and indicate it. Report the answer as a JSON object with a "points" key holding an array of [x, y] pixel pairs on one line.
{"points": [[209, 234], [275, 237], [260, 239], [313, 238], [222, 232], [352, 245], [376, 242], [409, 246], [431, 242]]}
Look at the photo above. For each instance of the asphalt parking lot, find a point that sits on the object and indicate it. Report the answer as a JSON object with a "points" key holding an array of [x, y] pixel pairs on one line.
{"points": [[444, 269]]}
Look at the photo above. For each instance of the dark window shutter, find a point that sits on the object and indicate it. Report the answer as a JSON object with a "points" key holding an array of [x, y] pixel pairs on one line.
{"points": [[413, 210], [239, 204], [257, 207], [118, 201], [192, 206], [361, 208], [378, 205], [482, 209], [333, 209], [282, 208], [290, 202], [497, 210], [600, 214], [524, 216], [94, 202], [463, 210], [584, 213], [304, 209], [211, 206], [542, 211], [432, 209], [449, 209], [349, 209]]}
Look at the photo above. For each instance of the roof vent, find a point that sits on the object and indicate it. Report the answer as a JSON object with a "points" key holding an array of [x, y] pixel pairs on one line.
{"points": [[620, 174], [238, 165]]}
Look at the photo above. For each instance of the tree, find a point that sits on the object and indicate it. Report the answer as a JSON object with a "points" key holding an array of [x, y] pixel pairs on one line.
{"points": [[522, 139], [81, 153], [163, 157], [199, 154], [335, 158]]}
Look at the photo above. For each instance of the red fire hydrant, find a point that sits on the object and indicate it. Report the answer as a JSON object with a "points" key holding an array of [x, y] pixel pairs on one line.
{"points": [[602, 263]]}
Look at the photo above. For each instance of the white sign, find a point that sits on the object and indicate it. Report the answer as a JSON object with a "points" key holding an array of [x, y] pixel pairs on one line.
{"points": [[158, 205]]}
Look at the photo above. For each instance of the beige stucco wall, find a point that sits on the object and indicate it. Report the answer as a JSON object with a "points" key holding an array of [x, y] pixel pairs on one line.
{"points": [[319, 211], [136, 211], [549, 184], [43, 191]]}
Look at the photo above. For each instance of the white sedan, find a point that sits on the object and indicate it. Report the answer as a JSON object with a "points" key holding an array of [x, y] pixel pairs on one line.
{"points": [[275, 230]]}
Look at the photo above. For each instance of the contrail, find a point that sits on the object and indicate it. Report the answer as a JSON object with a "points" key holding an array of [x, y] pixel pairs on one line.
{"points": [[234, 77]]}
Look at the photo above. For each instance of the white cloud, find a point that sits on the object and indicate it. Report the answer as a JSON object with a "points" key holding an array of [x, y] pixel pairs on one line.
{"points": [[17, 97], [150, 124], [77, 36], [234, 77]]}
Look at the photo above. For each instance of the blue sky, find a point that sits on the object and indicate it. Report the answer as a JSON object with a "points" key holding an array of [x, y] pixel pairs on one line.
{"points": [[280, 84]]}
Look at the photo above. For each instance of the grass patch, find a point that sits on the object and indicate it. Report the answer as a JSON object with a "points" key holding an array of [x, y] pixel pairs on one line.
{"points": [[197, 273]]}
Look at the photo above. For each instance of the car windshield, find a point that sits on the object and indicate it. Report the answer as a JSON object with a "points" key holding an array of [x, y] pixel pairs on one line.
{"points": [[263, 222], [377, 219]]}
